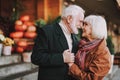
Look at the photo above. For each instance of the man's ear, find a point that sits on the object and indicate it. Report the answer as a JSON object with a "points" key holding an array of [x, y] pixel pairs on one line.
{"points": [[69, 19]]}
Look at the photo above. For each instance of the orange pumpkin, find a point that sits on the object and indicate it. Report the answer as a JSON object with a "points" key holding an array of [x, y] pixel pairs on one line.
{"points": [[20, 49], [20, 27], [28, 23], [30, 35], [16, 34], [22, 43], [31, 29], [18, 22], [25, 18]]}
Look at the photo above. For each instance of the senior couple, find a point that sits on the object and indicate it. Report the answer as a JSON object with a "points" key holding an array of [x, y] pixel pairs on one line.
{"points": [[59, 54]]}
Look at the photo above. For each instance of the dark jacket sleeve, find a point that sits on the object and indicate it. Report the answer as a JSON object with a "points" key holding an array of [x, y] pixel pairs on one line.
{"points": [[41, 54]]}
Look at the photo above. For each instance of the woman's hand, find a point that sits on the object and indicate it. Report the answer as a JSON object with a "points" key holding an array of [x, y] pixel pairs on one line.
{"points": [[70, 64]]}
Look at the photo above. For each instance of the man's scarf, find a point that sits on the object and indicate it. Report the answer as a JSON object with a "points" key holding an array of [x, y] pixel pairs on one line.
{"points": [[84, 48]]}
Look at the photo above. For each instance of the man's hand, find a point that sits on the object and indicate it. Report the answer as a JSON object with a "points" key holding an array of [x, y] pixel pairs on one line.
{"points": [[68, 56]]}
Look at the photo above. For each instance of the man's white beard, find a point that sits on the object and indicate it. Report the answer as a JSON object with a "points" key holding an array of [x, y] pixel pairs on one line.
{"points": [[74, 27]]}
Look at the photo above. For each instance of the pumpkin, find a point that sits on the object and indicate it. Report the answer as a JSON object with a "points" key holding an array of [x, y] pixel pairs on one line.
{"points": [[18, 22], [30, 35], [20, 49], [25, 18], [28, 23], [22, 43], [31, 29], [20, 27], [16, 34]]}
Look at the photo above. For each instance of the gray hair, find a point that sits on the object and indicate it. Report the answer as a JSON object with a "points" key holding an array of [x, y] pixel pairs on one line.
{"points": [[99, 26], [72, 10]]}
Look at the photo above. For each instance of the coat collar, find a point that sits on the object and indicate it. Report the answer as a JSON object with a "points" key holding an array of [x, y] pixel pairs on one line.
{"points": [[61, 36], [100, 47], [64, 28], [62, 40]]}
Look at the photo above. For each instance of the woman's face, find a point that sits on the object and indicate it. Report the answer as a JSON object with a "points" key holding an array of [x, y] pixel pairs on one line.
{"points": [[87, 30]]}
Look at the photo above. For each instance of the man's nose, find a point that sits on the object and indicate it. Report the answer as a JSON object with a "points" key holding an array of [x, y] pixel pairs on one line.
{"points": [[82, 27]]}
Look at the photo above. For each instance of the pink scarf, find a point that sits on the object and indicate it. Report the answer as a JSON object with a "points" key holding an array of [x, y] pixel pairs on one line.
{"points": [[84, 48]]}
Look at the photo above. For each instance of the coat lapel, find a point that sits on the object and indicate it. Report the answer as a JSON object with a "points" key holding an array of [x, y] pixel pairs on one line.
{"points": [[74, 43], [90, 57], [61, 37]]}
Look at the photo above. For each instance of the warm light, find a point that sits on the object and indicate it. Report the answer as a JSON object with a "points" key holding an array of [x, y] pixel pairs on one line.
{"points": [[13, 9], [73, 0]]}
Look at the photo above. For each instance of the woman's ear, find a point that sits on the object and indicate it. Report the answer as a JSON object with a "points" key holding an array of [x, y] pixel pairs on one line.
{"points": [[69, 19]]}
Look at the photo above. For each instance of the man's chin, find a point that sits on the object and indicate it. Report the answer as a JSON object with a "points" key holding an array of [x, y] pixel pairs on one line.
{"points": [[75, 32]]}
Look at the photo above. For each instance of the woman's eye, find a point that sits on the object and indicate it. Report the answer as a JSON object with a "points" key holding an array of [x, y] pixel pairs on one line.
{"points": [[85, 23]]}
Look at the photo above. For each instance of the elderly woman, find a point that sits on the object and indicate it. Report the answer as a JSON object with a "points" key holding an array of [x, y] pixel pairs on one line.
{"points": [[92, 61]]}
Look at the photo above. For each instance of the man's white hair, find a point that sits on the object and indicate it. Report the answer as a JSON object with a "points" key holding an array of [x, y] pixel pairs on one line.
{"points": [[99, 26], [72, 10]]}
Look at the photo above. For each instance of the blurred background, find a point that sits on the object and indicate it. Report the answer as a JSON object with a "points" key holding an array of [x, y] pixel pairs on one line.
{"points": [[20, 19]]}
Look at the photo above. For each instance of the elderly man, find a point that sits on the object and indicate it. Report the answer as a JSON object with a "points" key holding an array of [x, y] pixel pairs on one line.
{"points": [[54, 47]]}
